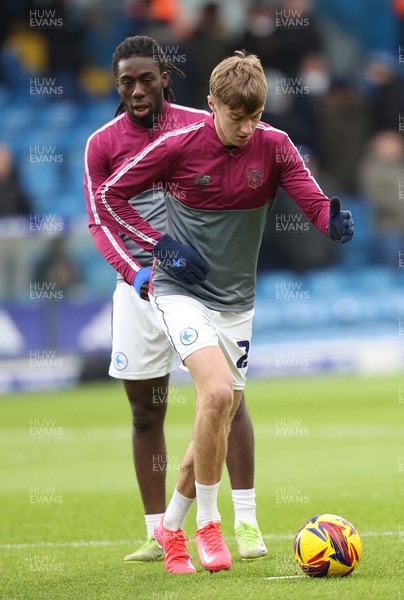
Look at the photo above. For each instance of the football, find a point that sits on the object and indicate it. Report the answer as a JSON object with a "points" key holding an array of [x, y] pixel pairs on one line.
{"points": [[327, 546]]}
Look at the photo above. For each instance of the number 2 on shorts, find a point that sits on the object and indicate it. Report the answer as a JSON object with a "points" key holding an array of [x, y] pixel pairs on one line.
{"points": [[243, 360]]}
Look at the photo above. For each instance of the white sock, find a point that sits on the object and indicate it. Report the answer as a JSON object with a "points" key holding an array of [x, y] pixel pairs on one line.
{"points": [[244, 507], [206, 500], [151, 521], [177, 511]]}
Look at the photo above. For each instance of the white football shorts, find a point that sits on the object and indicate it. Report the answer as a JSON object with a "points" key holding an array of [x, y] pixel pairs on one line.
{"points": [[140, 348], [190, 326]]}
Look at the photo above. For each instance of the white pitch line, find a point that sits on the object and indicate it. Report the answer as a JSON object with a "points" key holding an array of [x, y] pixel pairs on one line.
{"points": [[80, 544], [286, 577], [90, 543]]}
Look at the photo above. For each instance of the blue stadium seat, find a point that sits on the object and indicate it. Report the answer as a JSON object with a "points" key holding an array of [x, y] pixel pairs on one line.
{"points": [[16, 119], [373, 280], [98, 275], [268, 282], [326, 283], [97, 113], [337, 301], [42, 136], [41, 179], [70, 203], [78, 136], [5, 97], [59, 114]]}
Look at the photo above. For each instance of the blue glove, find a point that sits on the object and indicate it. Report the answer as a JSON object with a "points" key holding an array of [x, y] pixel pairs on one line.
{"points": [[141, 277], [180, 260], [341, 227]]}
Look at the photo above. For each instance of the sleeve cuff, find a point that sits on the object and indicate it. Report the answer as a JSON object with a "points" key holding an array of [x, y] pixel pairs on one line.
{"points": [[141, 277]]}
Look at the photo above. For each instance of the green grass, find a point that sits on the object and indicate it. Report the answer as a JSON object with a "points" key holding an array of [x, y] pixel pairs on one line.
{"points": [[322, 445]]}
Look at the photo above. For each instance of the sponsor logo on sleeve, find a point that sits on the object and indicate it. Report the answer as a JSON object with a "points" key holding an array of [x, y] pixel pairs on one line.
{"points": [[202, 179]]}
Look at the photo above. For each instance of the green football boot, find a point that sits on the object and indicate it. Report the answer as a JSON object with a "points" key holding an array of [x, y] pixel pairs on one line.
{"points": [[250, 543], [148, 552]]}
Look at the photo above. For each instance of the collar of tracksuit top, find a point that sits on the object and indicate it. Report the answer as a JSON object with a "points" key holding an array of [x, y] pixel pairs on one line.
{"points": [[159, 128], [216, 144]]}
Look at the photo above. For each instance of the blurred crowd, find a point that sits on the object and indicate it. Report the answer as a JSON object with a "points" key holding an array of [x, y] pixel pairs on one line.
{"points": [[335, 87]]}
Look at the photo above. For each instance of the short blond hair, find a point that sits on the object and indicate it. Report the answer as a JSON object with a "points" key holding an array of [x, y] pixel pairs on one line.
{"points": [[239, 82]]}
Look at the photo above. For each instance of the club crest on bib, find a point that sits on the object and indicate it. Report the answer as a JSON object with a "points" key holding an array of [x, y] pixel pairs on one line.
{"points": [[188, 336], [201, 184], [255, 178]]}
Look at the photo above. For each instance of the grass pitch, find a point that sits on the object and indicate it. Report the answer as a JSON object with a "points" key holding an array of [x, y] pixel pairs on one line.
{"points": [[70, 507]]}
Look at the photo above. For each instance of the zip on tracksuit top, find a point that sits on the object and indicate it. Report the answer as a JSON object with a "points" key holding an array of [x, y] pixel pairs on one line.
{"points": [[219, 202], [109, 148]]}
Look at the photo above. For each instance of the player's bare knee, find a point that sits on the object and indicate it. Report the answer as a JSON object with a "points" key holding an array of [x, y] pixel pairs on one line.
{"points": [[146, 416], [147, 411], [219, 401]]}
